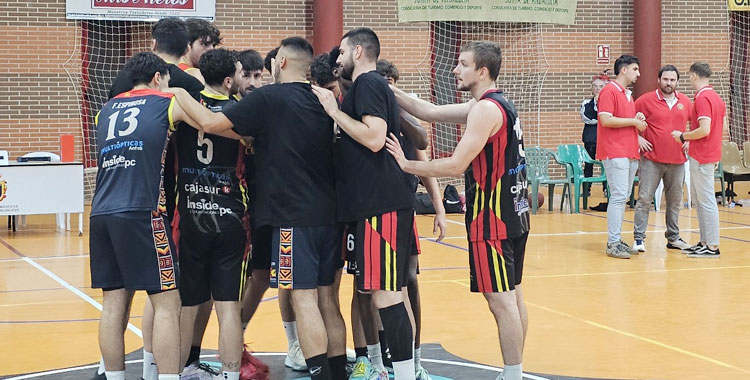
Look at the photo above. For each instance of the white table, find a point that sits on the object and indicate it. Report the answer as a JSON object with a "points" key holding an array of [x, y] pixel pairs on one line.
{"points": [[29, 188]]}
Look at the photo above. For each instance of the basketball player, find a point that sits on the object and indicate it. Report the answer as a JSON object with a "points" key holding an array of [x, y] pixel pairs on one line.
{"points": [[252, 72], [130, 241], [294, 150], [497, 221], [202, 37], [415, 151], [169, 43], [212, 229], [383, 220]]}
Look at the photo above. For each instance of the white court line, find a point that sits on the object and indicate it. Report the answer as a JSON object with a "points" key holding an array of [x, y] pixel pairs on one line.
{"points": [[76, 291], [446, 362]]}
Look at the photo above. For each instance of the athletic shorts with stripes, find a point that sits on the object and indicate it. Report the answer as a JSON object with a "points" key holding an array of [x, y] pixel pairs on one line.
{"points": [[132, 250], [382, 247], [213, 265], [305, 257], [496, 265]]}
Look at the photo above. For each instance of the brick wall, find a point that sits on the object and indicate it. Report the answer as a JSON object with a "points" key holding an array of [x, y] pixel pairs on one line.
{"points": [[37, 102]]}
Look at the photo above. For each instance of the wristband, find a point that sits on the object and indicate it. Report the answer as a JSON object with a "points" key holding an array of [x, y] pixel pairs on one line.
{"points": [[682, 137]]}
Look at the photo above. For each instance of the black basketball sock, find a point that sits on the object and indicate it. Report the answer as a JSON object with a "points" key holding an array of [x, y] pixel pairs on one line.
{"points": [[318, 367], [360, 351], [398, 331], [195, 355], [337, 365], [384, 349]]}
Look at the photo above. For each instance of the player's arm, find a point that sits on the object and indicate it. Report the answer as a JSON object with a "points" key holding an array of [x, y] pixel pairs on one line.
{"points": [[704, 128], [608, 120], [481, 122], [179, 114], [369, 132], [439, 222], [211, 122], [422, 109], [412, 130]]}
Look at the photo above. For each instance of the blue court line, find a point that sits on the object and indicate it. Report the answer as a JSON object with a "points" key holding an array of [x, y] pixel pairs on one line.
{"points": [[446, 244], [654, 225]]}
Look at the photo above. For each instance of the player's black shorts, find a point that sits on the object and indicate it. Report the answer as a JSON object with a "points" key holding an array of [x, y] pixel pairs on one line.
{"points": [[305, 257], [212, 264], [496, 265], [261, 252], [382, 246], [416, 249], [132, 250]]}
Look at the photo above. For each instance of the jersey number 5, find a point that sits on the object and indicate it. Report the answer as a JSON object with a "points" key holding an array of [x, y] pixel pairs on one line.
{"points": [[130, 119], [205, 156]]}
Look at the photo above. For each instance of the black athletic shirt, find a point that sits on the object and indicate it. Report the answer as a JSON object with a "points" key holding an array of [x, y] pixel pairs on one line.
{"points": [[210, 178], [294, 174], [368, 183], [177, 78], [497, 206], [132, 131]]}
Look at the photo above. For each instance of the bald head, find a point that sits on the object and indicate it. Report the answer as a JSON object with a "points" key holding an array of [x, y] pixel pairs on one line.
{"points": [[292, 60]]}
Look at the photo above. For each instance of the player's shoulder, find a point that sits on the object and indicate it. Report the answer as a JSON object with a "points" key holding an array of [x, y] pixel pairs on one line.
{"points": [[371, 79], [487, 108]]}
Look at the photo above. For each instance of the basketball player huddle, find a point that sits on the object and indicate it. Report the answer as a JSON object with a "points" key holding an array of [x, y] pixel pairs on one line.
{"points": [[212, 187]]}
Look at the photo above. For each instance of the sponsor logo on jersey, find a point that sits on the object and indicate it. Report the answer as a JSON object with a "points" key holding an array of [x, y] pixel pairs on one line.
{"points": [[131, 145], [195, 188], [117, 161], [208, 207]]}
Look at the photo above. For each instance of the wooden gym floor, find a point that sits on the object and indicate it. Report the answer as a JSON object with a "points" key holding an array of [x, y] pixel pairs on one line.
{"points": [[659, 315]]}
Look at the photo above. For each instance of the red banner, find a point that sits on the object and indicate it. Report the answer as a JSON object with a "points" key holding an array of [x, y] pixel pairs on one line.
{"points": [[145, 4]]}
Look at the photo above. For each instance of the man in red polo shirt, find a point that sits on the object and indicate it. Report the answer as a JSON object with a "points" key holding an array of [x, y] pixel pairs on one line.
{"points": [[707, 126], [666, 110], [617, 147]]}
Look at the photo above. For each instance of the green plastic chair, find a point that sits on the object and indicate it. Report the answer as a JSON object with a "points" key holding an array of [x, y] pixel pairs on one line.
{"points": [[537, 161], [574, 156]]}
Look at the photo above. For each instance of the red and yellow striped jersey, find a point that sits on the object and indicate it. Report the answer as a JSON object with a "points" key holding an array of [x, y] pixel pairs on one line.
{"points": [[497, 206]]}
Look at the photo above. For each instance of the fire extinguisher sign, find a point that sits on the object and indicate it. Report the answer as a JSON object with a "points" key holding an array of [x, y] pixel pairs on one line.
{"points": [[602, 54]]}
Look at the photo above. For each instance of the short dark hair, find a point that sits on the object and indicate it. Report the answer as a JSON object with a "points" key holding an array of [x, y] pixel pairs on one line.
{"points": [[250, 60], [333, 56], [669, 68], [366, 38], [486, 54], [200, 29], [217, 64], [321, 70], [701, 69], [171, 36], [299, 44], [387, 69], [142, 67], [625, 60], [269, 56]]}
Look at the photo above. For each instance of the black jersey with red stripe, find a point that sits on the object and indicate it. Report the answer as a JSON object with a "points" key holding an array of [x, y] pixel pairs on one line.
{"points": [[132, 131], [210, 180], [497, 206]]}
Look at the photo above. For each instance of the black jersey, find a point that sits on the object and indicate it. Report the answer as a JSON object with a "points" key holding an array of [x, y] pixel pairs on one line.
{"points": [[497, 206], [369, 183], [132, 131], [210, 179], [294, 174]]}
